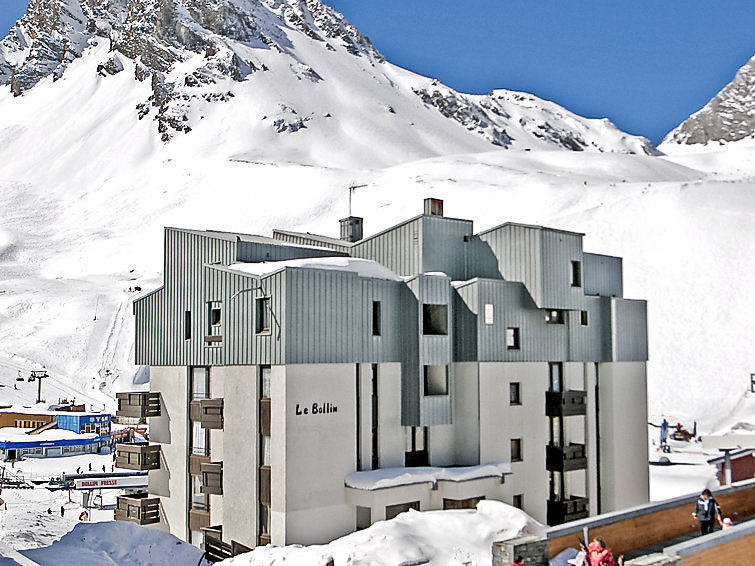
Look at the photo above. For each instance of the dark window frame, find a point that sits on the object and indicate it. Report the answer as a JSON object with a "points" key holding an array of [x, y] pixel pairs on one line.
{"points": [[516, 338], [576, 273], [262, 315], [517, 450], [425, 382], [377, 318], [515, 393], [434, 319]]}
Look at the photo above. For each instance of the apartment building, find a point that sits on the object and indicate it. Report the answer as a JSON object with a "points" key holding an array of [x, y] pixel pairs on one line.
{"points": [[303, 387]]}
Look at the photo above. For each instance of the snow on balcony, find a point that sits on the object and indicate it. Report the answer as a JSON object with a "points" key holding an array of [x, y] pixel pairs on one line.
{"points": [[395, 477]]}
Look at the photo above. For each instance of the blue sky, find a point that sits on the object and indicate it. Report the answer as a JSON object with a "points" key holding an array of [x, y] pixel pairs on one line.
{"points": [[645, 64]]}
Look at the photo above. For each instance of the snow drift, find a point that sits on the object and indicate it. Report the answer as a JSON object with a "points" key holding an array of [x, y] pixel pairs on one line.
{"points": [[438, 538]]}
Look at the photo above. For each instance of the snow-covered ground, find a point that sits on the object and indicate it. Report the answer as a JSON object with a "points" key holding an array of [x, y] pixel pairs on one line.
{"points": [[439, 538], [116, 543]]}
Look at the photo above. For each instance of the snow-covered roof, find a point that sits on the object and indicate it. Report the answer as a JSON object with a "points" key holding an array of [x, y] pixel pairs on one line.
{"points": [[12, 434], [394, 477], [43, 409], [362, 267]]}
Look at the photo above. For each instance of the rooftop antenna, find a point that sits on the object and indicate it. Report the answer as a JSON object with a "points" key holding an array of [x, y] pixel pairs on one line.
{"points": [[352, 188]]}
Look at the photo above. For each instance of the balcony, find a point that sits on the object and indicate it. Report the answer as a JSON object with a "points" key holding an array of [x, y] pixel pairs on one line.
{"points": [[565, 404], [216, 550], [209, 412], [138, 405], [138, 508], [198, 519], [133, 456], [565, 458], [212, 478], [559, 512]]}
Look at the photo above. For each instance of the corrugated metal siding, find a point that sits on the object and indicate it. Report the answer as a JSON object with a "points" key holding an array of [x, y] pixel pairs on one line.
{"points": [[387, 346], [514, 308], [398, 249], [255, 252], [185, 257], [149, 343], [465, 312], [238, 293], [327, 319], [519, 253], [629, 330], [444, 248], [591, 343], [434, 350], [558, 250], [305, 240], [603, 275]]}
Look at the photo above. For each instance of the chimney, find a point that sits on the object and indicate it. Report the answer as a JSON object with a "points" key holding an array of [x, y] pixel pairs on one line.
{"points": [[351, 228], [433, 207]]}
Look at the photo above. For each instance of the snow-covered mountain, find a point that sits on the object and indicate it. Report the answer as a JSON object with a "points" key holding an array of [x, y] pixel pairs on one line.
{"points": [[118, 119], [728, 117], [278, 74]]}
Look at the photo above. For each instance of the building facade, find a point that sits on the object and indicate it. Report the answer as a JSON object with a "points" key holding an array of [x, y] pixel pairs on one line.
{"points": [[302, 387], [50, 432]]}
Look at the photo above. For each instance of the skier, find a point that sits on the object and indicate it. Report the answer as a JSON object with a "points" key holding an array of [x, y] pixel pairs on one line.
{"points": [[49, 511], [599, 554], [90, 466], [707, 511], [62, 511], [103, 468]]}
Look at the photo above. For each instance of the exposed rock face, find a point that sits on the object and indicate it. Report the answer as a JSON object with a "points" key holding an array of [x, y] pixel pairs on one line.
{"points": [[192, 52], [728, 117]]}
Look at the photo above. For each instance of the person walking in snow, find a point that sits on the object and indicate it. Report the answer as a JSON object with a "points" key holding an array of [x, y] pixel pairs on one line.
{"points": [[599, 554], [103, 468], [90, 466], [62, 511], [707, 512]]}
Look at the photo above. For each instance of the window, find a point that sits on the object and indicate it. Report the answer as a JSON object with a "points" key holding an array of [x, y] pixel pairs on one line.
{"points": [[187, 325], [200, 383], [364, 517], [516, 449], [434, 319], [436, 380], [489, 313], [392, 511], [518, 501], [512, 338], [198, 499], [262, 315], [415, 446], [554, 317], [265, 451], [584, 318], [265, 373], [199, 439], [264, 520], [515, 393], [215, 315], [555, 370], [376, 322], [576, 274]]}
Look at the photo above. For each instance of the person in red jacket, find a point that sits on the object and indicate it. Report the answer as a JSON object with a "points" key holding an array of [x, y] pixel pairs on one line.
{"points": [[599, 554], [518, 561]]}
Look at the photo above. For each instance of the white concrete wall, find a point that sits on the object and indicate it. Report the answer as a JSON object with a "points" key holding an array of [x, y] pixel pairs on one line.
{"points": [[466, 412], [238, 513], [624, 469], [500, 422], [317, 451], [170, 431], [390, 433], [442, 445]]}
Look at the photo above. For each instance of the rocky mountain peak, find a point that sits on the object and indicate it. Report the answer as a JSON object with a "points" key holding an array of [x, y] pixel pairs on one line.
{"points": [[728, 117]]}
